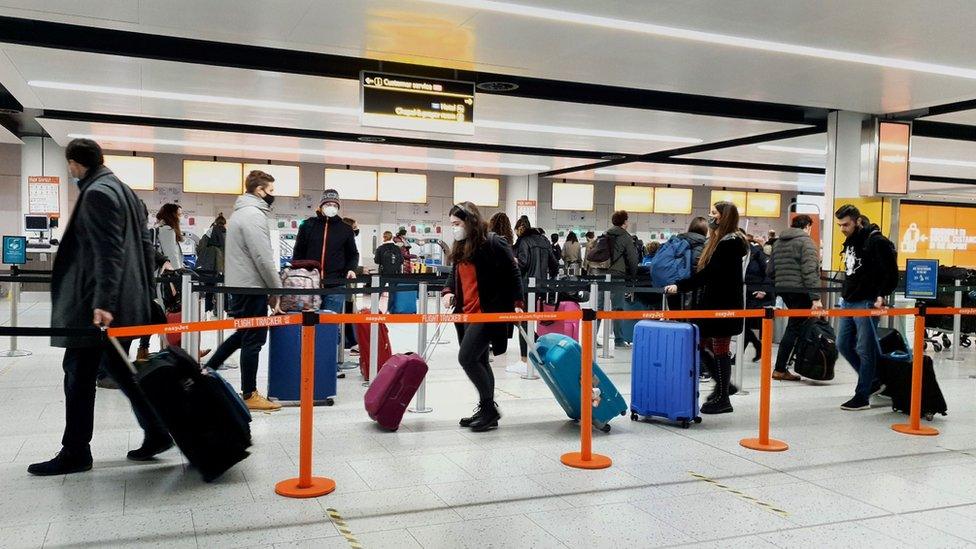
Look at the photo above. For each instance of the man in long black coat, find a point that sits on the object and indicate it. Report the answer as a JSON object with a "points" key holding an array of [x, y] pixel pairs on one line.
{"points": [[102, 276]]}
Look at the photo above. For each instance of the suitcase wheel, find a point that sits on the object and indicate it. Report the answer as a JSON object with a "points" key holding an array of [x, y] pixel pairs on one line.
{"points": [[937, 347], [605, 427], [929, 416], [634, 416], [698, 419], [685, 424], [329, 402]]}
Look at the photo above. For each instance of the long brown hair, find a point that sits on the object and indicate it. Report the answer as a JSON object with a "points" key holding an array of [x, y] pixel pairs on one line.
{"points": [[501, 225], [169, 214], [727, 225], [475, 232]]}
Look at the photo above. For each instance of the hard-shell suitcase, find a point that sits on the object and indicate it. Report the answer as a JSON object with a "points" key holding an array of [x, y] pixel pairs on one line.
{"points": [[627, 326], [174, 318], [557, 359], [565, 327], [895, 371], [285, 362], [394, 387], [664, 378], [383, 347], [207, 419]]}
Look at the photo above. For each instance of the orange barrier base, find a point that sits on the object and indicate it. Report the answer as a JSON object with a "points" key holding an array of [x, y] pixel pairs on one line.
{"points": [[906, 429], [596, 461], [319, 486], [772, 446]]}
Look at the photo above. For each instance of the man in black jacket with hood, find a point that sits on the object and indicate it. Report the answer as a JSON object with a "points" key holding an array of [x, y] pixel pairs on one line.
{"points": [[871, 266], [103, 276], [329, 240]]}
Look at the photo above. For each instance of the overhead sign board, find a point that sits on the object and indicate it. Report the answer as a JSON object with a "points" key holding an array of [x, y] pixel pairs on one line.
{"points": [[922, 278], [416, 103]]}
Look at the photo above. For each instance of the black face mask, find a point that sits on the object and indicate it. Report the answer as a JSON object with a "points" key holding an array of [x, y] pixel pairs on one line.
{"points": [[269, 199], [356, 232]]}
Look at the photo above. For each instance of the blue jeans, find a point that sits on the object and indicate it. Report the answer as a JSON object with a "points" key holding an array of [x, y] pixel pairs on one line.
{"points": [[857, 342], [333, 302]]}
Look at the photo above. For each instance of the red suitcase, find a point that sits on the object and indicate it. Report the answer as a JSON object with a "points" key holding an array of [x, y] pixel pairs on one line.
{"points": [[384, 350], [389, 395], [174, 339]]}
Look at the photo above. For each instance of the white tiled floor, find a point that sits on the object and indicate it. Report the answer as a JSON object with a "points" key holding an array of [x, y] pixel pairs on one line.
{"points": [[848, 480]]}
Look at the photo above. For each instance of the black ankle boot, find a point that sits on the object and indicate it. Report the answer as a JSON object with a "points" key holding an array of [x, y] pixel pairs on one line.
{"points": [[487, 417], [151, 447], [65, 463], [467, 421]]}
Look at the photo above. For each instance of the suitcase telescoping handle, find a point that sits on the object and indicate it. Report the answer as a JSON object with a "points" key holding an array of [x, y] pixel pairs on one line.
{"points": [[529, 343], [122, 354]]}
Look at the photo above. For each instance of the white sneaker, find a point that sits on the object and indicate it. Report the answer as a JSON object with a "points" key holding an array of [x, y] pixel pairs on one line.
{"points": [[517, 367]]}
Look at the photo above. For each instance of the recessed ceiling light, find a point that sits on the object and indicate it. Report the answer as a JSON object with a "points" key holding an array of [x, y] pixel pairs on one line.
{"points": [[371, 139], [343, 111], [796, 150], [562, 16], [108, 140], [702, 177], [612, 157], [497, 86], [193, 97], [943, 162]]}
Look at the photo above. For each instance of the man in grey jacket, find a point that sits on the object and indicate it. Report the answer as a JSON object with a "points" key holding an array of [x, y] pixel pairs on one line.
{"points": [[249, 263], [102, 277], [795, 265], [623, 262]]}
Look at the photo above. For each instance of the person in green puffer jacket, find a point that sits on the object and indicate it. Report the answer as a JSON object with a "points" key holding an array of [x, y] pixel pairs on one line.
{"points": [[795, 265]]}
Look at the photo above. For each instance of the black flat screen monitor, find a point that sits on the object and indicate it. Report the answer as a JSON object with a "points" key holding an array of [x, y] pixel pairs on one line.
{"points": [[36, 222]]}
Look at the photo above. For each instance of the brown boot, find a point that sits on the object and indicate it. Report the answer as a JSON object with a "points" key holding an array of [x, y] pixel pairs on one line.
{"points": [[142, 353], [258, 403], [786, 375]]}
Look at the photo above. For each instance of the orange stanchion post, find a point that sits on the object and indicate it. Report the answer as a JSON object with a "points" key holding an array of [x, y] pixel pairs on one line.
{"points": [[585, 458], [764, 443], [914, 425], [306, 486]]}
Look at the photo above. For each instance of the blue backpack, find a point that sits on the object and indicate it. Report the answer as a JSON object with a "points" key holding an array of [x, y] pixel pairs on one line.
{"points": [[671, 263]]}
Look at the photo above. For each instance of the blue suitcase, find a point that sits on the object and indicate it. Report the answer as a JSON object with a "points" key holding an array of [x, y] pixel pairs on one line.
{"points": [[403, 302], [664, 378], [557, 358], [285, 363]]}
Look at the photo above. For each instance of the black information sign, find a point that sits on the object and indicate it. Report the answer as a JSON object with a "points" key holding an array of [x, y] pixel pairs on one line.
{"points": [[416, 103]]}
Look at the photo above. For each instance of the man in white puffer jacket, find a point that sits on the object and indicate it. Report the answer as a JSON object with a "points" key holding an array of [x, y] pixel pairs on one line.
{"points": [[249, 263]]}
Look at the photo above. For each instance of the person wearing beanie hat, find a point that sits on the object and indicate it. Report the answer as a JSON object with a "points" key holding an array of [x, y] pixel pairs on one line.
{"points": [[328, 240]]}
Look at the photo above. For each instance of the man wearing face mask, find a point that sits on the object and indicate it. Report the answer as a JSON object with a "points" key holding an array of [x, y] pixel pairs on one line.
{"points": [[330, 241], [249, 262]]}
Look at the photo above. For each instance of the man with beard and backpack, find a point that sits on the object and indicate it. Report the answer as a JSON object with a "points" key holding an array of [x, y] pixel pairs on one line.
{"points": [[871, 268]]}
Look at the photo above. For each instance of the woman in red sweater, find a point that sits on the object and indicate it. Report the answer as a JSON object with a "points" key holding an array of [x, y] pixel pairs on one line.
{"points": [[484, 279]]}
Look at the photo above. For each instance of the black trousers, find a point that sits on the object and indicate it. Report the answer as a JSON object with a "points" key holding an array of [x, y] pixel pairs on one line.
{"points": [[81, 367], [792, 301], [249, 341], [473, 357]]}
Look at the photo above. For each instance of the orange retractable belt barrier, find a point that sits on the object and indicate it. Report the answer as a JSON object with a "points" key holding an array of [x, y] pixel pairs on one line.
{"points": [[764, 443]]}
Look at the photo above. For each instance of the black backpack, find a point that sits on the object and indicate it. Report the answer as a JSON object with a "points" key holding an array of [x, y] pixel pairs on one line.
{"points": [[815, 352], [391, 260], [602, 251]]}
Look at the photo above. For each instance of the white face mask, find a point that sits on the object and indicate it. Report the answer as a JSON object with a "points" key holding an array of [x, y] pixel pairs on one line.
{"points": [[330, 211], [458, 232]]}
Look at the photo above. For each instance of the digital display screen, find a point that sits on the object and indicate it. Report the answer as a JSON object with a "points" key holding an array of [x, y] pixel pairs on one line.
{"points": [[930, 231], [35, 222], [893, 151], [416, 103]]}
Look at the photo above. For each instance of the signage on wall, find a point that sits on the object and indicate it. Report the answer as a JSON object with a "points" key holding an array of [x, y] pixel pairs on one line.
{"points": [[44, 194], [929, 231], [922, 278], [527, 208], [14, 250], [416, 103]]}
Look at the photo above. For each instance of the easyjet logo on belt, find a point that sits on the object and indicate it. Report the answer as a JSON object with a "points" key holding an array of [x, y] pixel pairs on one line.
{"points": [[653, 315], [724, 314], [173, 328]]}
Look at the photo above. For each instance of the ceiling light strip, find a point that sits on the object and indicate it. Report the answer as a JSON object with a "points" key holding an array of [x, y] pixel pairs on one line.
{"points": [[343, 111], [703, 177], [341, 155], [563, 16]]}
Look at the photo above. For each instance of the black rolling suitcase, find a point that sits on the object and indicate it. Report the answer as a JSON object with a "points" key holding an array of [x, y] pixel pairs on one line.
{"points": [[207, 419], [895, 372]]}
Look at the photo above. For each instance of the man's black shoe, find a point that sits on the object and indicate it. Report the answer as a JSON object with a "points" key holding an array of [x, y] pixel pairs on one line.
{"points": [[65, 463], [151, 447]]}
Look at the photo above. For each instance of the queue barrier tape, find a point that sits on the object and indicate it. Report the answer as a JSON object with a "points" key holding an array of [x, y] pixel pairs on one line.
{"points": [[305, 485]]}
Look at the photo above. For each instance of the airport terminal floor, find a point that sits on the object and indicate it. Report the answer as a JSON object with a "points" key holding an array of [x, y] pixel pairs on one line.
{"points": [[847, 480]]}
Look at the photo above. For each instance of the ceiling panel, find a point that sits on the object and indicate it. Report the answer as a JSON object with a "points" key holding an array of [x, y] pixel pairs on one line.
{"points": [[778, 155], [562, 47], [700, 176], [149, 139], [569, 126]]}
